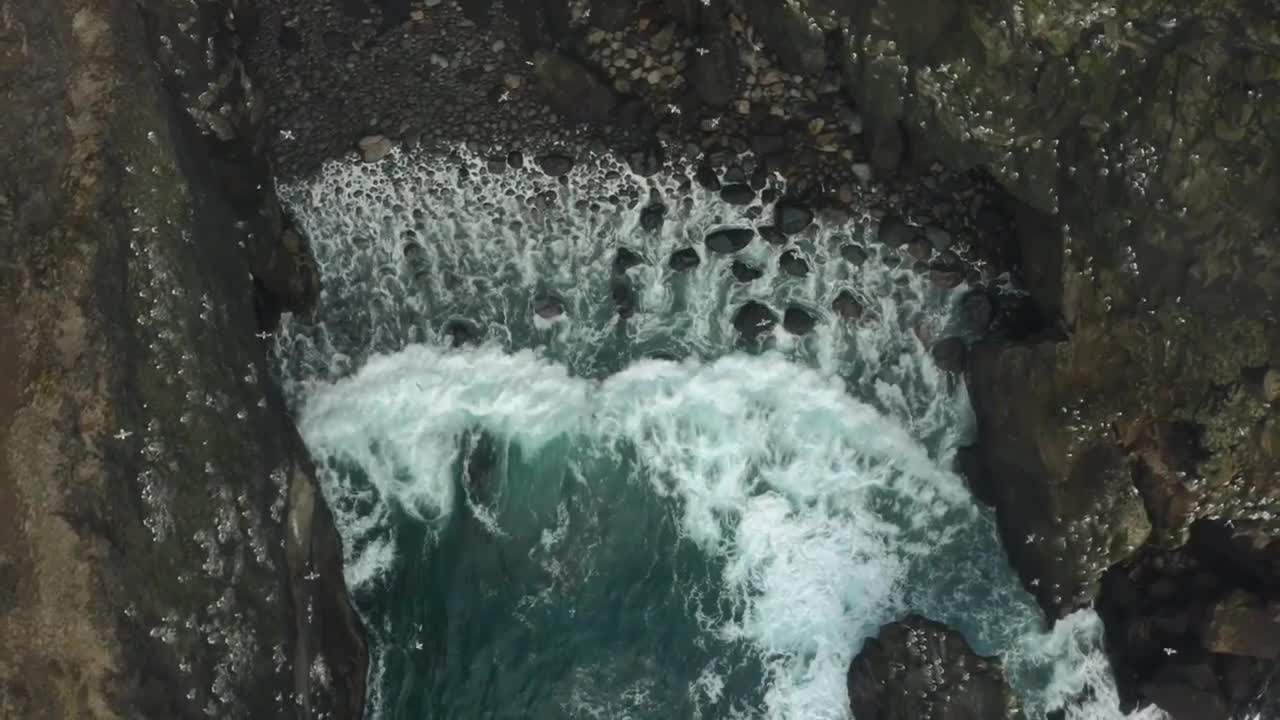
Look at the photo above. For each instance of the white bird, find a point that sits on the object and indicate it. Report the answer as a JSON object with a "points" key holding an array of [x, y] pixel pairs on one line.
{"points": [[675, 109], [1170, 651], [702, 51], [417, 644], [123, 434], [1035, 582], [1031, 538], [706, 3], [505, 96], [262, 335], [287, 135]]}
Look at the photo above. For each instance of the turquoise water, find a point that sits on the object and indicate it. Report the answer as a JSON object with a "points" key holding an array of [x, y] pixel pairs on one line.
{"points": [[580, 517]]}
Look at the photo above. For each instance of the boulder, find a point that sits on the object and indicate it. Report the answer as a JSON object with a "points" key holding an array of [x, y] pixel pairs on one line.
{"points": [[547, 306], [374, 147], [772, 234], [798, 321], [624, 296], [949, 354], [611, 15], [625, 259], [651, 217], [894, 232], [555, 164], [573, 90], [855, 254], [792, 262], [714, 68], [788, 33], [737, 194], [847, 306], [915, 668], [744, 273], [729, 240], [754, 319], [684, 259], [793, 217]]}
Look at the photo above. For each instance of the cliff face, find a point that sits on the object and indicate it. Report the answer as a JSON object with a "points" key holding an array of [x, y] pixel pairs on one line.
{"points": [[164, 551]]}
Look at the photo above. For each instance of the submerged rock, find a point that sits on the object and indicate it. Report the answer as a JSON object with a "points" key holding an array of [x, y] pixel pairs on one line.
{"points": [[916, 668], [894, 231], [547, 306], [684, 259], [744, 273], [754, 319], [651, 217], [555, 164], [792, 218], [772, 234], [729, 240], [792, 262], [949, 354], [798, 321], [737, 194], [847, 306], [572, 89], [855, 254], [625, 259]]}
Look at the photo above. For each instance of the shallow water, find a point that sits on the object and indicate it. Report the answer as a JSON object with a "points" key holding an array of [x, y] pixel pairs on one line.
{"points": [[589, 518]]}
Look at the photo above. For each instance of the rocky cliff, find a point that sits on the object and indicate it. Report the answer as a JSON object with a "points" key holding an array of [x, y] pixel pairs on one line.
{"points": [[164, 551]]}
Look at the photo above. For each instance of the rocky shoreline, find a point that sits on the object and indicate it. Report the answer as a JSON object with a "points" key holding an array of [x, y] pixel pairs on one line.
{"points": [[1119, 162]]}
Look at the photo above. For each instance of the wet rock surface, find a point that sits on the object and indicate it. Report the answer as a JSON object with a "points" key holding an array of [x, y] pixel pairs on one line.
{"points": [[164, 549], [915, 668]]}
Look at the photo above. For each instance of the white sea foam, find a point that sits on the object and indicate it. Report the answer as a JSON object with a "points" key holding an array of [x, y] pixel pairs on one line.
{"points": [[813, 472]]}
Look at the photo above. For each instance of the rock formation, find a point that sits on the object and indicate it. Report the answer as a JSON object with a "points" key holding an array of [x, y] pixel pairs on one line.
{"points": [[916, 669], [164, 549]]}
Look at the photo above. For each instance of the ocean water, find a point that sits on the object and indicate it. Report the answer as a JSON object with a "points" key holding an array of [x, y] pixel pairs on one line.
{"points": [[585, 517]]}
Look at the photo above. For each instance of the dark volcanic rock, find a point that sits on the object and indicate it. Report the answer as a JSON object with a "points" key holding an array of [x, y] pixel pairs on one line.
{"points": [[573, 90], [652, 216], [548, 306], [744, 273], [729, 240], [855, 254], [793, 218], [772, 234], [949, 354], [707, 178], [625, 259], [737, 194], [847, 306], [714, 73], [611, 14], [555, 164], [754, 319], [787, 32], [462, 332], [792, 262], [895, 232], [624, 296], [798, 321], [916, 668], [976, 311], [685, 259]]}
